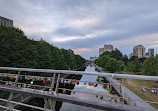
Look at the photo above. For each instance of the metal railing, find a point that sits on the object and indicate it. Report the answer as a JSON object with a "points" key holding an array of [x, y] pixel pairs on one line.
{"points": [[127, 76], [59, 72]]}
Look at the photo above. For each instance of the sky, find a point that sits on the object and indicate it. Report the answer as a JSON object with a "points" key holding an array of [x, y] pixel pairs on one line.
{"points": [[86, 25]]}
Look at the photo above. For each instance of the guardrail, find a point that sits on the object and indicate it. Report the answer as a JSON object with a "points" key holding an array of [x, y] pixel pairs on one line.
{"points": [[59, 72], [127, 76]]}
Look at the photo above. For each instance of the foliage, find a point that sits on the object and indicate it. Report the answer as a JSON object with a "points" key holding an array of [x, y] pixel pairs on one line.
{"points": [[114, 54], [134, 64], [125, 59], [16, 50], [114, 65], [101, 61], [112, 61], [131, 66], [150, 66]]}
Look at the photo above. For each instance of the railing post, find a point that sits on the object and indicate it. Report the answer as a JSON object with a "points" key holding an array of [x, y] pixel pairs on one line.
{"points": [[110, 90], [46, 104], [122, 81], [52, 85], [17, 78], [52, 102], [122, 96], [57, 85], [10, 105], [120, 88], [52, 105]]}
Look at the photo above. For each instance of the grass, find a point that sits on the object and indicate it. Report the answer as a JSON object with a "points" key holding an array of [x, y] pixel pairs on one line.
{"points": [[136, 86]]}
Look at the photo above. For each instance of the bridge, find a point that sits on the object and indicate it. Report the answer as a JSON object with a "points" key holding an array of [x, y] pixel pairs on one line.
{"points": [[51, 92]]}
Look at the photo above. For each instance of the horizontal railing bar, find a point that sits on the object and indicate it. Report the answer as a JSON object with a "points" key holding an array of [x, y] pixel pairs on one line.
{"points": [[98, 94], [73, 100], [22, 104], [127, 76], [4, 107]]}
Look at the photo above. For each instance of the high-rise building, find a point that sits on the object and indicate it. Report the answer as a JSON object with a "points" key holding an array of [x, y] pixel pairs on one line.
{"points": [[6, 22], [151, 52], [108, 48], [105, 48], [101, 51], [139, 51]]}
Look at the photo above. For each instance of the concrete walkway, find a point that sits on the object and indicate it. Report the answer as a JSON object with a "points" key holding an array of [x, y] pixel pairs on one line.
{"points": [[126, 92]]}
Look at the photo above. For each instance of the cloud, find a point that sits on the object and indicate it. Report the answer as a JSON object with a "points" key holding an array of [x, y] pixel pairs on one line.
{"points": [[148, 39], [126, 45], [86, 21], [82, 50], [86, 24], [86, 36]]}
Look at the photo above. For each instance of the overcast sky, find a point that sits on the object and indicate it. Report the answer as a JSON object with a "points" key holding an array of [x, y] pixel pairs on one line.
{"points": [[86, 25]]}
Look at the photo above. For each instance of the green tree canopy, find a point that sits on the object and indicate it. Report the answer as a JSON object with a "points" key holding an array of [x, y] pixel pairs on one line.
{"points": [[16, 50], [114, 65], [136, 62], [117, 54], [101, 61], [131, 66], [150, 66], [112, 61]]}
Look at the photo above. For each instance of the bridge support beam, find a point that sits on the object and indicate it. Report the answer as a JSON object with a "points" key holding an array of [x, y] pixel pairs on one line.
{"points": [[46, 105], [10, 105], [52, 84], [52, 104], [57, 85], [49, 104]]}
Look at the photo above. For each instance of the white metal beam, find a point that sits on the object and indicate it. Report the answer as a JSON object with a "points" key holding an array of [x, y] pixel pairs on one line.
{"points": [[72, 100], [127, 76]]}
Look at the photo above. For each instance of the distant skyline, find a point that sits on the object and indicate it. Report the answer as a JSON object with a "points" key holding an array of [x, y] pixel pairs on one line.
{"points": [[86, 25]]}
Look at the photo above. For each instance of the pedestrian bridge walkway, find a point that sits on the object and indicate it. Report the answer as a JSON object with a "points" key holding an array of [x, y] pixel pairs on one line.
{"points": [[50, 90]]}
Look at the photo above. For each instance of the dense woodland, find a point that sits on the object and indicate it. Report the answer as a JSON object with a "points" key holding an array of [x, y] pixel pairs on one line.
{"points": [[115, 61], [16, 50]]}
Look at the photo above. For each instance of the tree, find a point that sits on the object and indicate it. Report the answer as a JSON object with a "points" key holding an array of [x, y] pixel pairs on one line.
{"points": [[136, 61], [117, 54], [121, 65], [112, 59], [114, 65], [125, 59], [101, 61], [79, 60], [16, 50], [131, 66], [150, 66]]}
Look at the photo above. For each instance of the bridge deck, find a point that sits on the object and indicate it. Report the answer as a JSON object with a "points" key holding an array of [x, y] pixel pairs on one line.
{"points": [[72, 100], [65, 98]]}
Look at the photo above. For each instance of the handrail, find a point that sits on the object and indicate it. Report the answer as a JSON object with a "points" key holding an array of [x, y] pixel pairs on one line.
{"points": [[74, 100], [127, 76]]}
